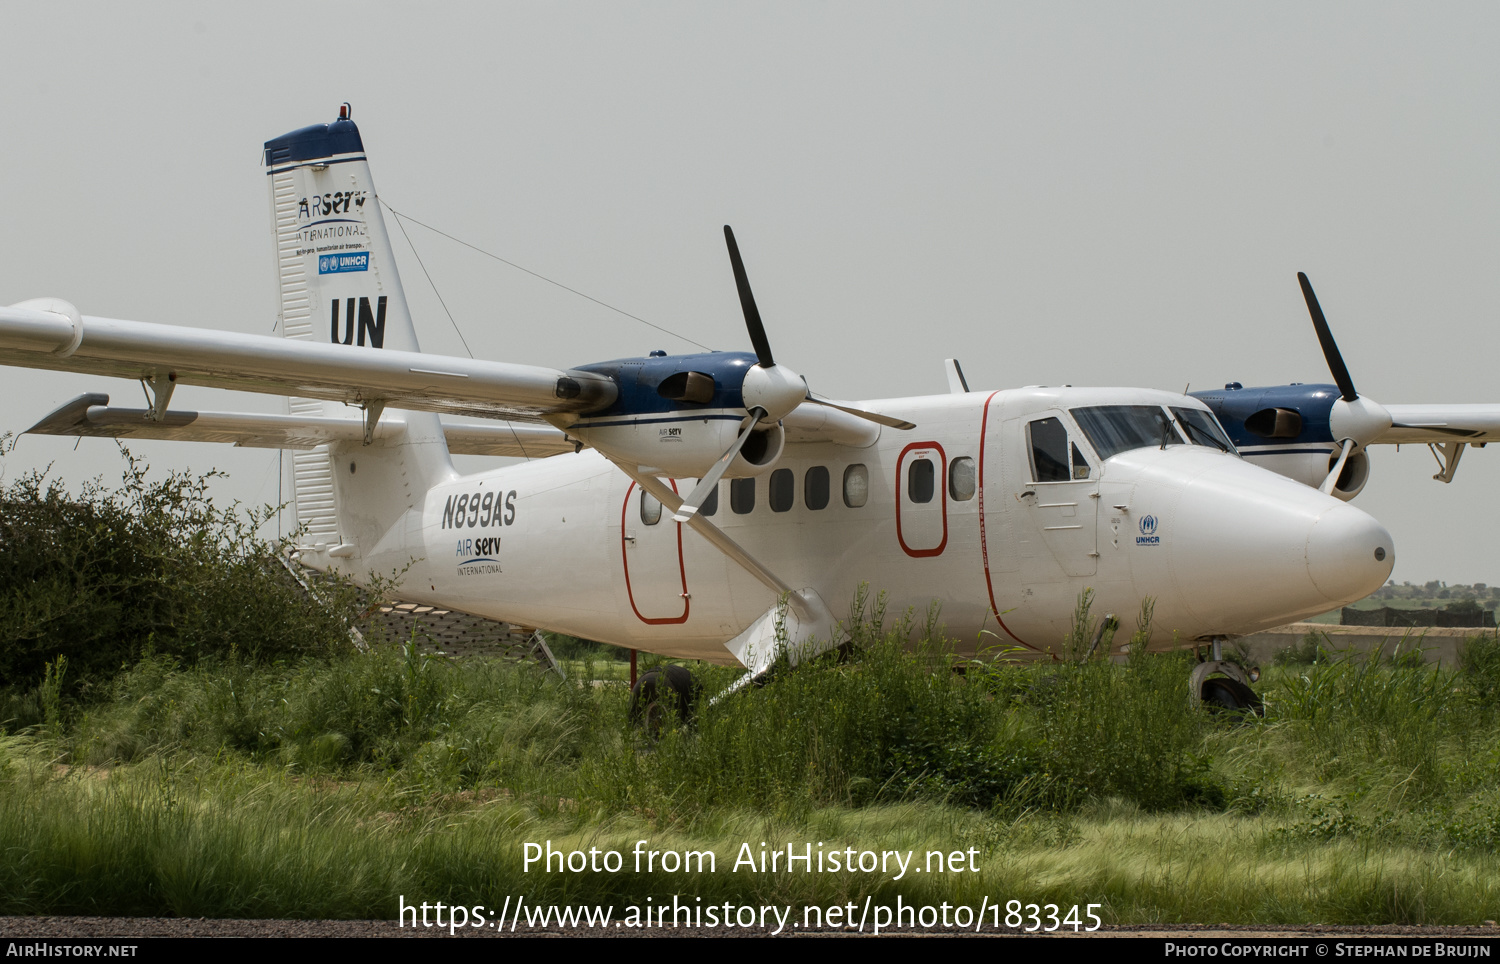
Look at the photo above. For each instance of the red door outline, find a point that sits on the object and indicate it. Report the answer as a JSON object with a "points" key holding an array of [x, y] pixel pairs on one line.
{"points": [[942, 489], [984, 548], [681, 570]]}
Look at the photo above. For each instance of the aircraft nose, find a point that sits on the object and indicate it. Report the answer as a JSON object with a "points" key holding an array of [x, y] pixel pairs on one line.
{"points": [[1248, 550], [1349, 554]]}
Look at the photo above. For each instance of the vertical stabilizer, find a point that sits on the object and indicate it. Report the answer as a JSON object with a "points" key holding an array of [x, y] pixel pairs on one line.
{"points": [[338, 283]]}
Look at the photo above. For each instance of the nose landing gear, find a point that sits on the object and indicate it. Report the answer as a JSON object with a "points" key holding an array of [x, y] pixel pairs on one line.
{"points": [[1223, 685]]}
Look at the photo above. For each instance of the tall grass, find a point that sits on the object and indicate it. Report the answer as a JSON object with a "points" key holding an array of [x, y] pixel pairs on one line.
{"points": [[328, 787], [189, 837], [884, 721], [887, 721]]}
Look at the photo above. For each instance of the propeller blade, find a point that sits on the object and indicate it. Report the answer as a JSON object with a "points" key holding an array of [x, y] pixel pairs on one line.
{"points": [[1338, 468], [875, 417], [1325, 338], [747, 302], [699, 495]]}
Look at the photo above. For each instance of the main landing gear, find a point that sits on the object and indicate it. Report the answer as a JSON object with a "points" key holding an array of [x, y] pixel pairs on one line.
{"points": [[1223, 685], [661, 694]]}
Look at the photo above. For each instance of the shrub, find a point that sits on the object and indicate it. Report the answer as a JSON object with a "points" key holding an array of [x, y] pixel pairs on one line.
{"points": [[106, 577]]}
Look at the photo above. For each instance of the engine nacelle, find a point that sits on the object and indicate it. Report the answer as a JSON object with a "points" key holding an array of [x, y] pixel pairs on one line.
{"points": [[676, 415], [1312, 468], [1352, 479], [686, 449]]}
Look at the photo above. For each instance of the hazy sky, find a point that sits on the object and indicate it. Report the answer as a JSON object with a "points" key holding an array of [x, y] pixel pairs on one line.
{"points": [[1093, 194]]}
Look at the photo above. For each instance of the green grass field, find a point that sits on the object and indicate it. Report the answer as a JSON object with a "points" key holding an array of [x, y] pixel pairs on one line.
{"points": [[328, 788]]}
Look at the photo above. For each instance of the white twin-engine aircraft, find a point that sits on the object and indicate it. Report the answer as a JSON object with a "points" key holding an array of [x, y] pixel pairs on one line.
{"points": [[684, 497]]}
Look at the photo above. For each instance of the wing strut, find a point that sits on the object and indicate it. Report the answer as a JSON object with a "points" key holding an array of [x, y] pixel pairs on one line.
{"points": [[694, 502], [159, 390], [663, 493], [800, 624], [1448, 461]]}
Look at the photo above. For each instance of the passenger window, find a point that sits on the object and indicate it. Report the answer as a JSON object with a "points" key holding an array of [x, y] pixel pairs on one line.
{"points": [[856, 486], [742, 495], [650, 509], [710, 504], [920, 474], [815, 487], [961, 481], [1049, 451], [783, 489]]}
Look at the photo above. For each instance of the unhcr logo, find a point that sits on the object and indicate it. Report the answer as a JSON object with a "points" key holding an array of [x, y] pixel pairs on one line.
{"points": [[1148, 536], [339, 263]]}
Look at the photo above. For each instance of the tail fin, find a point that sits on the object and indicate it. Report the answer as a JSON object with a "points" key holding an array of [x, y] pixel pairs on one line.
{"points": [[338, 281]]}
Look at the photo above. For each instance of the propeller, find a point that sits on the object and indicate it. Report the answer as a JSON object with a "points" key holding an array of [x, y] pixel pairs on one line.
{"points": [[747, 302], [762, 345], [1331, 352], [889, 421], [1354, 420], [1338, 467], [770, 391]]}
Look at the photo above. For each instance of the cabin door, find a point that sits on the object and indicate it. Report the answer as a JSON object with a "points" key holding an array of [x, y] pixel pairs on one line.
{"points": [[651, 553]]}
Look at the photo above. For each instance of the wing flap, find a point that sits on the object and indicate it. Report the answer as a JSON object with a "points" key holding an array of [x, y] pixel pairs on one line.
{"points": [[507, 438]]}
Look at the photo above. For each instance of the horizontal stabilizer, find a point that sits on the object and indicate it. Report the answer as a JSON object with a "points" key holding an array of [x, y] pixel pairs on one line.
{"points": [[91, 415]]}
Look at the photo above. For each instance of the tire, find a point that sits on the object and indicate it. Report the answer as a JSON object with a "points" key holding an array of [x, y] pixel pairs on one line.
{"points": [[661, 694], [1231, 696]]}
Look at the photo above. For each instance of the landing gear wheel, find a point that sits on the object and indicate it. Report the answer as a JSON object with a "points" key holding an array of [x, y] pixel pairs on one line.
{"points": [[659, 695], [1231, 696]]}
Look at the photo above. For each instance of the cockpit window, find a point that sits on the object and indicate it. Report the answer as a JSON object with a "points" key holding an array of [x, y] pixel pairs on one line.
{"points": [[1119, 428], [1050, 451], [1203, 429], [1080, 464]]}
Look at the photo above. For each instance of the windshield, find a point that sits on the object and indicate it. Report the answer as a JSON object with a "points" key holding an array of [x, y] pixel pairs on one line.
{"points": [[1203, 429], [1119, 428]]}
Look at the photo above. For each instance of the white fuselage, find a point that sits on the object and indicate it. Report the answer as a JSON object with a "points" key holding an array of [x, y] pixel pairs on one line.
{"points": [[1222, 547]]}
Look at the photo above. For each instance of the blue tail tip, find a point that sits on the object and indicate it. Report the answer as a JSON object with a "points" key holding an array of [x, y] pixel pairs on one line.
{"points": [[315, 142]]}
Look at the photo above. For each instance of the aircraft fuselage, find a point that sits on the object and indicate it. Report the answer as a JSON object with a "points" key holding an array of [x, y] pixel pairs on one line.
{"points": [[998, 506]]}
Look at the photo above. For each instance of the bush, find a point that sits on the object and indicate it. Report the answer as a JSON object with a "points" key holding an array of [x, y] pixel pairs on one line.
{"points": [[107, 577]]}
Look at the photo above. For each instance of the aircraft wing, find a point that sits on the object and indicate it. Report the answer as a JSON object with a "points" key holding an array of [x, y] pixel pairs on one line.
{"points": [[1442, 423], [91, 415], [62, 340]]}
